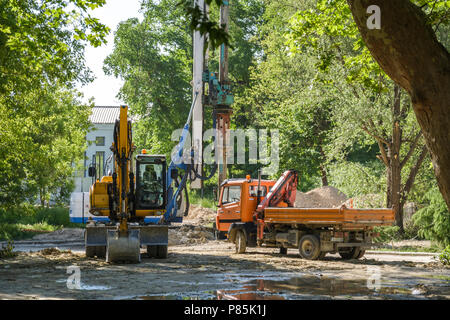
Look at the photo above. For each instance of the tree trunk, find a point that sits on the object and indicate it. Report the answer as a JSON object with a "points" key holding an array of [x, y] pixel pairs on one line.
{"points": [[323, 171], [396, 187], [324, 176], [406, 48], [388, 187], [41, 197]]}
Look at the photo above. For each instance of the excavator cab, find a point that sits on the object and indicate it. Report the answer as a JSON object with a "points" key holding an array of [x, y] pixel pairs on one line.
{"points": [[150, 182]]}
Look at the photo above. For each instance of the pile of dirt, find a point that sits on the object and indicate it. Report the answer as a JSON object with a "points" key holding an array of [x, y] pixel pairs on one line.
{"points": [[324, 197], [53, 252], [200, 216], [196, 227], [190, 234], [65, 234]]}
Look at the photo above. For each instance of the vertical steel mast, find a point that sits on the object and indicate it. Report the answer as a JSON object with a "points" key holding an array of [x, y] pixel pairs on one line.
{"points": [[197, 116], [223, 111]]}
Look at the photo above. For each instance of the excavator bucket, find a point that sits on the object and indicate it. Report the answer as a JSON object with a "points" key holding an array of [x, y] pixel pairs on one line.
{"points": [[123, 247]]}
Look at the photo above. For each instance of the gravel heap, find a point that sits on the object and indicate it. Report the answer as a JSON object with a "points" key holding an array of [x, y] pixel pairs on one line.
{"points": [[324, 197]]}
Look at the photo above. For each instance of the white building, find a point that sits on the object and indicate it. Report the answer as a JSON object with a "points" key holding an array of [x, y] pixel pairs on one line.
{"points": [[99, 141]]}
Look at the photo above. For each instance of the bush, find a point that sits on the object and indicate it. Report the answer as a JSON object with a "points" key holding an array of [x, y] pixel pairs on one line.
{"points": [[53, 216], [25, 221], [24, 214], [10, 232], [387, 233], [433, 221], [444, 257], [7, 250]]}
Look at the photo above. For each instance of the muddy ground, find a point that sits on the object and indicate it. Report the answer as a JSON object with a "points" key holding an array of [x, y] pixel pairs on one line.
{"points": [[199, 267], [211, 270]]}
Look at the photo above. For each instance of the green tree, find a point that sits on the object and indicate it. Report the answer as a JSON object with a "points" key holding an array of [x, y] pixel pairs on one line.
{"points": [[433, 221], [42, 144], [362, 92], [42, 123], [279, 96], [154, 57], [409, 51], [43, 42]]}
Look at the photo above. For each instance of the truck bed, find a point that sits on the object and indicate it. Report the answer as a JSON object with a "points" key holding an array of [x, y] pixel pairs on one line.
{"points": [[348, 218]]}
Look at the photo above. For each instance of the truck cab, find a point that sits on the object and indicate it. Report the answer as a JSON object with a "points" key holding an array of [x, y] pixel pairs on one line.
{"points": [[238, 200]]}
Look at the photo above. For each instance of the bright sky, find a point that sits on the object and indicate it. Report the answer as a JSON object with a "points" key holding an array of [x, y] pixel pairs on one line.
{"points": [[105, 88]]}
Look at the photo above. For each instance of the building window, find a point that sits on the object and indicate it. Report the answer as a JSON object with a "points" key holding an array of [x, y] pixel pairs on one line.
{"points": [[100, 141]]}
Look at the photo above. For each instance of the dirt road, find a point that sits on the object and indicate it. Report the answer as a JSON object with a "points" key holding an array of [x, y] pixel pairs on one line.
{"points": [[211, 270]]}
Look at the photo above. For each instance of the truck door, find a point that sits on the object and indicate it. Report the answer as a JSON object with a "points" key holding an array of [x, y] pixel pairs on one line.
{"points": [[230, 207]]}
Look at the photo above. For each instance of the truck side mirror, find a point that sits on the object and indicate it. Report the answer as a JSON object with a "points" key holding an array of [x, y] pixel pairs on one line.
{"points": [[92, 171], [174, 173]]}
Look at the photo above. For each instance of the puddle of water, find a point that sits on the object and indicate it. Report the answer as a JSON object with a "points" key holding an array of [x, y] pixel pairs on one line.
{"points": [[204, 295], [93, 287], [84, 286], [314, 287]]}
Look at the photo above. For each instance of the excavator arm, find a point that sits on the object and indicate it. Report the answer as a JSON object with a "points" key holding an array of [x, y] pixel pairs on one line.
{"points": [[123, 243]]}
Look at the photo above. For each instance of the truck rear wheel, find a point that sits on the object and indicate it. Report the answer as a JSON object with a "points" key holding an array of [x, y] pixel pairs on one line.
{"points": [[361, 253], [240, 241], [350, 253], [309, 247]]}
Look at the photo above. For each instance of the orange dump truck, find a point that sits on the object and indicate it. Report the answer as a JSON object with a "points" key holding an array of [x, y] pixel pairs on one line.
{"points": [[255, 212]]}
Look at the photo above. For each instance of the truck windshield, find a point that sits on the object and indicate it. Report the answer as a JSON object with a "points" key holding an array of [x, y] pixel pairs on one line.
{"points": [[151, 184], [231, 194]]}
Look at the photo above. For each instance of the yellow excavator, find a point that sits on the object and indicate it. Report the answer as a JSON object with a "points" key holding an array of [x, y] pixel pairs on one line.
{"points": [[141, 197]]}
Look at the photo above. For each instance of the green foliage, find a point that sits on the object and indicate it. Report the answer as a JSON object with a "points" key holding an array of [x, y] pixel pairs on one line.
{"points": [[6, 251], [206, 202], [433, 221], [56, 216], [43, 41], [387, 234], [25, 221], [154, 59], [198, 20], [329, 31], [42, 121], [43, 135], [357, 179], [444, 257]]}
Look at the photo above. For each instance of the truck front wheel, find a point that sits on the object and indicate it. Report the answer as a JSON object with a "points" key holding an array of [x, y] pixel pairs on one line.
{"points": [[240, 241], [309, 247]]}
